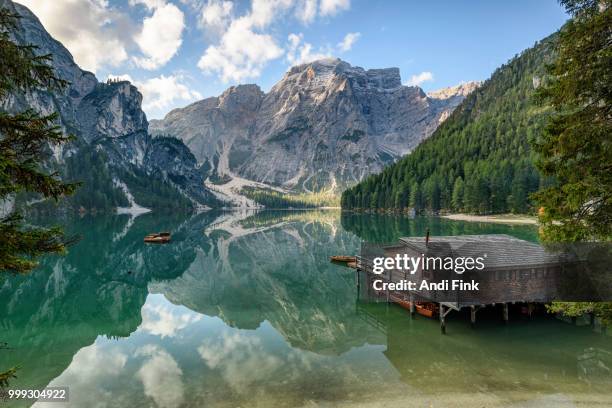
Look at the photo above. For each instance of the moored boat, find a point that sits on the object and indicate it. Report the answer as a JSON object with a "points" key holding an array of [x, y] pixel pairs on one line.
{"points": [[401, 302], [159, 238], [343, 258], [426, 309]]}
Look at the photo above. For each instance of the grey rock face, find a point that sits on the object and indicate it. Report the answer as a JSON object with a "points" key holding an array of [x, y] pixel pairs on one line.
{"points": [[172, 160], [81, 82], [108, 115], [210, 127], [325, 125], [111, 110]]}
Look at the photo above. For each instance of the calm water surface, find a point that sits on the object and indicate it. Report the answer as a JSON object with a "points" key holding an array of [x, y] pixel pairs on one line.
{"points": [[245, 310]]}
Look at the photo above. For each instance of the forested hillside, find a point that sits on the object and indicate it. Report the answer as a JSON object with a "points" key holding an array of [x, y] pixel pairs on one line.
{"points": [[479, 159], [274, 199]]}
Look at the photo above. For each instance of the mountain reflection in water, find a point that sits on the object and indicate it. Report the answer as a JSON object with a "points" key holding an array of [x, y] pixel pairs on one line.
{"points": [[244, 309]]}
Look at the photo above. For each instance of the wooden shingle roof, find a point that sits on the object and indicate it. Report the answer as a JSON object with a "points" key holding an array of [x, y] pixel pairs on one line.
{"points": [[499, 250]]}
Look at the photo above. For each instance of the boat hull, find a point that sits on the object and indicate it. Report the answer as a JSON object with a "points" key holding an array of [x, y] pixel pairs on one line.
{"points": [[422, 308]]}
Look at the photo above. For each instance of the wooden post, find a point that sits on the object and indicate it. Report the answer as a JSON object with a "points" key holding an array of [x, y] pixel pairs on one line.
{"points": [[473, 316], [442, 319], [388, 280], [412, 308], [505, 313], [592, 319]]}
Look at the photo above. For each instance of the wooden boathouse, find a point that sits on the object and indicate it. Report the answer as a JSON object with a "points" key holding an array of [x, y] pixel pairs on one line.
{"points": [[515, 271]]}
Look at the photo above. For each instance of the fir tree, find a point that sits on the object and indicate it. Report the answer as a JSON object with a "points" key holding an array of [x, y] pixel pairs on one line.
{"points": [[25, 138], [458, 193], [576, 146]]}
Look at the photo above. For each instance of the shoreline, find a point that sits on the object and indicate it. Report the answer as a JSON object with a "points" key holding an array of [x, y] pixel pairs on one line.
{"points": [[495, 219]]}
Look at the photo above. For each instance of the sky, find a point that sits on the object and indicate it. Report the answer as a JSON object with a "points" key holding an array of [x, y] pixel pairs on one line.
{"points": [[180, 51]]}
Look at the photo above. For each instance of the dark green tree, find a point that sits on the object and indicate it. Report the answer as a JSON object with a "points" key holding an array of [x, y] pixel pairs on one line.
{"points": [[415, 196], [25, 140], [576, 146], [458, 193]]}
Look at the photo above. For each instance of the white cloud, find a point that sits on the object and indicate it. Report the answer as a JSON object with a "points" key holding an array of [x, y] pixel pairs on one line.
{"points": [[150, 4], [161, 377], [216, 16], [161, 93], [99, 35], [263, 12], [418, 79], [236, 356], [194, 4], [306, 11], [162, 320], [95, 34], [161, 35], [246, 44], [347, 43], [242, 52], [333, 7], [91, 367], [300, 52], [92, 363]]}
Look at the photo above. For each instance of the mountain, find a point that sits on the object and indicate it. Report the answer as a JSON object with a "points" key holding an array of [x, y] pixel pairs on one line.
{"points": [[479, 160], [325, 124], [234, 272], [113, 153]]}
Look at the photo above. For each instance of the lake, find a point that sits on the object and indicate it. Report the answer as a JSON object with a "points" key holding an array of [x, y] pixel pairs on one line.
{"points": [[245, 310]]}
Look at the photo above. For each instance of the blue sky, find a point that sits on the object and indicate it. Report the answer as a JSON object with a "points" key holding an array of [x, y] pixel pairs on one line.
{"points": [[178, 51]]}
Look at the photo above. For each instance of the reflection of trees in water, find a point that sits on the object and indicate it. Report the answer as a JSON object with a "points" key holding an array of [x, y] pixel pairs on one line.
{"points": [[272, 218], [98, 288], [383, 228], [6, 376]]}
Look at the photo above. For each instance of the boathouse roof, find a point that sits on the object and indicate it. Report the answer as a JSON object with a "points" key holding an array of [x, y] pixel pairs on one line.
{"points": [[502, 251]]}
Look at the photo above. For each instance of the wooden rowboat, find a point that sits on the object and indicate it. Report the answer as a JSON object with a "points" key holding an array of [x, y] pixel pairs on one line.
{"points": [[399, 301], [343, 258], [426, 309], [160, 238], [423, 308]]}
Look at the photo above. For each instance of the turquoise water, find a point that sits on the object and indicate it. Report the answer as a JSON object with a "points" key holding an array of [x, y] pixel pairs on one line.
{"points": [[245, 310]]}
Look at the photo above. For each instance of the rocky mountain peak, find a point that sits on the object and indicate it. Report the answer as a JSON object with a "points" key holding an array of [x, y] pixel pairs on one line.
{"points": [[324, 72], [463, 89], [237, 97], [112, 110]]}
